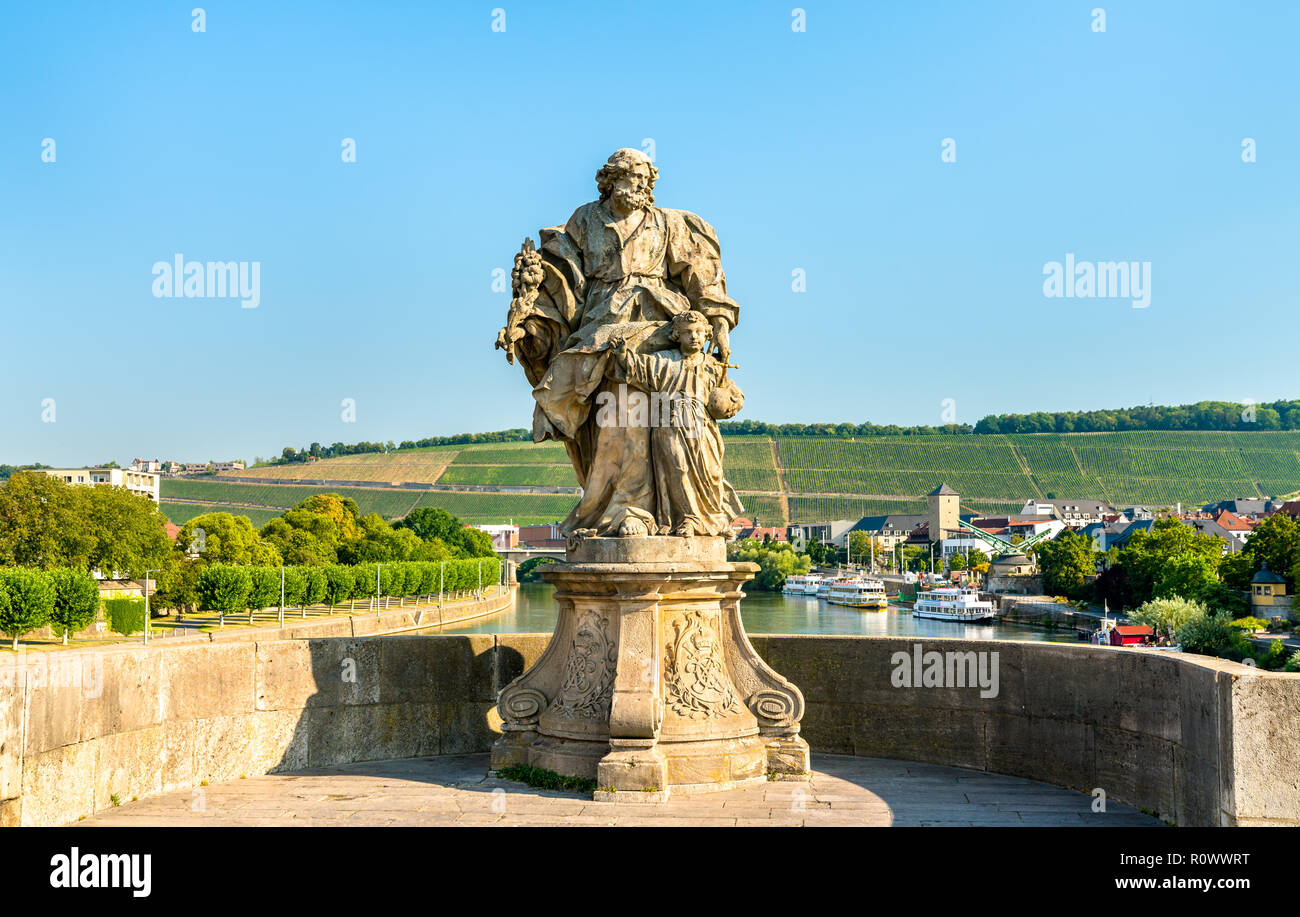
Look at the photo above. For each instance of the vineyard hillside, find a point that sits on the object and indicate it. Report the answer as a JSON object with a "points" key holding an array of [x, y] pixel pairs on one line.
{"points": [[787, 478]]}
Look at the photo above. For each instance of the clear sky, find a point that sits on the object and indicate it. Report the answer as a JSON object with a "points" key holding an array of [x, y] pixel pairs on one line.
{"points": [[817, 150]]}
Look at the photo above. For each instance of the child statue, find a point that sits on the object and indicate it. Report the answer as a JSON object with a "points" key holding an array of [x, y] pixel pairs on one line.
{"points": [[689, 390]]}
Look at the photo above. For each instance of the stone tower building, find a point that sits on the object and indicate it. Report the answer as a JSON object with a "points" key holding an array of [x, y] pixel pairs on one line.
{"points": [[945, 510]]}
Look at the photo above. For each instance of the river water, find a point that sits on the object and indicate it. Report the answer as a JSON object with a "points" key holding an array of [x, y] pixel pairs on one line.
{"points": [[774, 613]]}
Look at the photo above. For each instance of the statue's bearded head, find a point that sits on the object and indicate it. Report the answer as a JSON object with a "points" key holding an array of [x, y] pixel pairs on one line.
{"points": [[627, 179]]}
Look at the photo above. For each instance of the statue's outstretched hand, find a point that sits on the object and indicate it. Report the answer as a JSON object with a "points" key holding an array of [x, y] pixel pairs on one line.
{"points": [[721, 340]]}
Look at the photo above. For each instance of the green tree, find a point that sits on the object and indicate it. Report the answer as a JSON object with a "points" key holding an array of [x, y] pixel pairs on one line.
{"points": [[1066, 562], [223, 538], [1189, 574], [265, 589], [76, 601], [339, 584], [296, 586], [1148, 555], [130, 532], [178, 582], [43, 523], [299, 547], [30, 601], [224, 588], [317, 586], [430, 523]]}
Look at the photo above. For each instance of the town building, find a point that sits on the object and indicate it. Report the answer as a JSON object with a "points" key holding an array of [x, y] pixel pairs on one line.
{"points": [[1249, 507], [945, 511], [891, 529], [1074, 513], [1268, 594], [142, 483], [1233, 529], [541, 536], [153, 466], [504, 537], [834, 533]]}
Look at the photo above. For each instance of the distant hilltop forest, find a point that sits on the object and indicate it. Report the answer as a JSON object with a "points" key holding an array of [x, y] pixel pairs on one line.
{"points": [[1204, 415]]}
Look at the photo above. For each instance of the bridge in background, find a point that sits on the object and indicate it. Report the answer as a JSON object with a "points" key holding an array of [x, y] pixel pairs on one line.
{"points": [[520, 554]]}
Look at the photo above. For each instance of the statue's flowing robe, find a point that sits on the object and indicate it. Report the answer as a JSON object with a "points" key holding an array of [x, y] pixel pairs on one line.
{"points": [[600, 283], [685, 444]]}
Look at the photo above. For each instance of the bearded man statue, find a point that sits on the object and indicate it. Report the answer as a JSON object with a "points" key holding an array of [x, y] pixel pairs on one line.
{"points": [[615, 274]]}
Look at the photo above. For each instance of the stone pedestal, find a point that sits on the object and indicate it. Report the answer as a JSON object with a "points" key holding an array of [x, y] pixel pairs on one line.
{"points": [[649, 684]]}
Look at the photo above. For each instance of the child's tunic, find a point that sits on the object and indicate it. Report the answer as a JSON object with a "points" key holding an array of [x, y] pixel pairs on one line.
{"points": [[685, 444]]}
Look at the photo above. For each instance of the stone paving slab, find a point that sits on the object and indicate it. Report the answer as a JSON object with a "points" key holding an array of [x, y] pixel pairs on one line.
{"points": [[458, 790]]}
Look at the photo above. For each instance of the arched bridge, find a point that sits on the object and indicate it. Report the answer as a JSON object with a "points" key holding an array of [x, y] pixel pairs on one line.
{"points": [[520, 554]]}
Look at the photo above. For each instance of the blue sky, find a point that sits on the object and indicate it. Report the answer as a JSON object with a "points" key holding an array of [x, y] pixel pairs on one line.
{"points": [[818, 150]]}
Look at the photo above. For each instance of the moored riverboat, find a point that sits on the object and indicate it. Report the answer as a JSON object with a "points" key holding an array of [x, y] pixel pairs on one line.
{"points": [[953, 603], [867, 594]]}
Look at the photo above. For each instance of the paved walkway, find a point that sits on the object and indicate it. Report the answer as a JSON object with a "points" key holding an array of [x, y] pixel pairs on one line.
{"points": [[456, 790]]}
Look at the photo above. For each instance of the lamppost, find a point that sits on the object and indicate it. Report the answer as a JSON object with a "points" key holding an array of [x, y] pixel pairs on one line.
{"points": [[378, 567], [146, 602], [282, 595]]}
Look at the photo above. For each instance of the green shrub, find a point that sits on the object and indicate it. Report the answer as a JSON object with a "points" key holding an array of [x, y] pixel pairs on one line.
{"points": [[1292, 663], [1272, 658], [1168, 615], [1250, 624], [125, 615], [1206, 634]]}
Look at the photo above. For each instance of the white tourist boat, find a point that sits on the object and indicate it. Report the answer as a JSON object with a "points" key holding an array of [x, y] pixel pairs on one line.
{"points": [[801, 584], [954, 603], [858, 593]]}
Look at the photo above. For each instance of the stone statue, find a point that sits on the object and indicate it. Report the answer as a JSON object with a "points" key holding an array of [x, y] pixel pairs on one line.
{"points": [[649, 683], [588, 309]]}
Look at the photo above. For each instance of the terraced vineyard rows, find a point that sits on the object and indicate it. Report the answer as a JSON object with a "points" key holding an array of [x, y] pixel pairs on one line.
{"points": [[391, 504], [181, 513], [534, 475], [825, 477]]}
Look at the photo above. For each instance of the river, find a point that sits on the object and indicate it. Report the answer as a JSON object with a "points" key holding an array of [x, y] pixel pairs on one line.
{"points": [[774, 613]]}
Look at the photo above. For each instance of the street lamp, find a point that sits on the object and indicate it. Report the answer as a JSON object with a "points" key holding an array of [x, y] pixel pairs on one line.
{"points": [[378, 567], [146, 602]]}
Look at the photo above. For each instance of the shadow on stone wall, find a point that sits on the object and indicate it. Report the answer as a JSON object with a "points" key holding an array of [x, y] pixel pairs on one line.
{"points": [[356, 700]]}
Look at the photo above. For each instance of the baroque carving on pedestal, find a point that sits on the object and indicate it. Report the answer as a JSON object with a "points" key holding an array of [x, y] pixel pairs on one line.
{"points": [[589, 672], [695, 677]]}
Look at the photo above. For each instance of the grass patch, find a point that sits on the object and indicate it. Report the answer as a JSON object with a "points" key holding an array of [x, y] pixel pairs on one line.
{"points": [[543, 779]]}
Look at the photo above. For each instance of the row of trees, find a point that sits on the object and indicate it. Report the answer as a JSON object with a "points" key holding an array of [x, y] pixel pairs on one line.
{"points": [[47, 524], [291, 455], [230, 589], [68, 600], [65, 600], [1204, 415]]}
